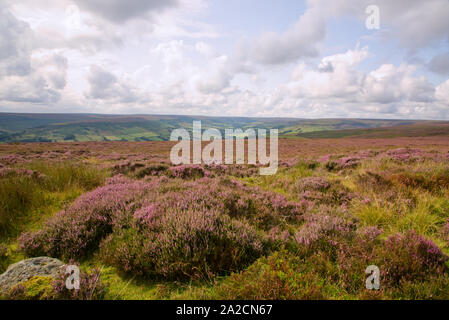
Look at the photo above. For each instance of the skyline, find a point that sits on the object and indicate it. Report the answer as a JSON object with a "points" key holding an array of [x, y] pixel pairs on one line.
{"points": [[301, 59]]}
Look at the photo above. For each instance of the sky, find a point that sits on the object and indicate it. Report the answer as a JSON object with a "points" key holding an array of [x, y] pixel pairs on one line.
{"points": [[256, 58]]}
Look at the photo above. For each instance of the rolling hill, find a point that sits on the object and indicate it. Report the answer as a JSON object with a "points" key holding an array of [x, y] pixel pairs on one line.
{"points": [[15, 127]]}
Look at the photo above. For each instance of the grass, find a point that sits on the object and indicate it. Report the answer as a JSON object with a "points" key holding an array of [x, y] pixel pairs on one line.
{"points": [[391, 195], [25, 202]]}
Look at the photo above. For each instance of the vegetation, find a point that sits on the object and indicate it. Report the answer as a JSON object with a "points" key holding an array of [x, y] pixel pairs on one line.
{"points": [[156, 231], [85, 127]]}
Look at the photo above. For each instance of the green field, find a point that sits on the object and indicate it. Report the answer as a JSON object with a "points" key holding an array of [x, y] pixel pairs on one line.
{"points": [[91, 127]]}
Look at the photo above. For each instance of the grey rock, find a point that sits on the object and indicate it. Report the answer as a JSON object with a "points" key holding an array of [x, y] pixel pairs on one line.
{"points": [[23, 270]]}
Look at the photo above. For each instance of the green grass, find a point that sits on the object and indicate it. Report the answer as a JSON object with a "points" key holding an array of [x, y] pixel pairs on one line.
{"points": [[26, 201], [410, 199]]}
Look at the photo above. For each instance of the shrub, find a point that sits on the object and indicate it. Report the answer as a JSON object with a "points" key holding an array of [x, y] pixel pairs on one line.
{"points": [[74, 232], [410, 257], [314, 183], [91, 286], [355, 256], [281, 276], [184, 244], [187, 171], [152, 170], [322, 232], [435, 288]]}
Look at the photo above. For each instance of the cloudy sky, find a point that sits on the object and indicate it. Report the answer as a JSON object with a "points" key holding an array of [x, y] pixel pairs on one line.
{"points": [[294, 58]]}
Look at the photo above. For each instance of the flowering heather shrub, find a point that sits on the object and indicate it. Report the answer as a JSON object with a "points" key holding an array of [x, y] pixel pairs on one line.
{"points": [[27, 173], [323, 232], [278, 235], [91, 287], [152, 170], [348, 162], [240, 171], [405, 154], [410, 257], [314, 183], [262, 209], [321, 192], [184, 244], [187, 172], [127, 167], [325, 159], [78, 229], [355, 255], [343, 163], [10, 159]]}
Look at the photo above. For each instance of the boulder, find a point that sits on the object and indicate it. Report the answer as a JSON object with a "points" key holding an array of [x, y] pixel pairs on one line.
{"points": [[23, 270]]}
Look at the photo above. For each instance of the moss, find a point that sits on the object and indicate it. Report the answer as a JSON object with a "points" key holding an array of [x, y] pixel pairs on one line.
{"points": [[35, 288]]}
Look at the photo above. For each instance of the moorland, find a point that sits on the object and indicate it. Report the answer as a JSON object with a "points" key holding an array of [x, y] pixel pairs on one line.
{"points": [[141, 228]]}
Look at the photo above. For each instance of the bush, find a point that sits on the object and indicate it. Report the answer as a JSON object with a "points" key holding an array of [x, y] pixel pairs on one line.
{"points": [[77, 231], [187, 172], [281, 276], [410, 257], [74, 232], [322, 232], [183, 244]]}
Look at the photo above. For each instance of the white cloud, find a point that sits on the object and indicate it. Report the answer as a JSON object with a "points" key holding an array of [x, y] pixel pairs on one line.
{"points": [[16, 40], [299, 41], [106, 86], [161, 57]]}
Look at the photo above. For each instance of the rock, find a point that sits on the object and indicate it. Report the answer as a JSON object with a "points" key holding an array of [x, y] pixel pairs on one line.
{"points": [[23, 270]]}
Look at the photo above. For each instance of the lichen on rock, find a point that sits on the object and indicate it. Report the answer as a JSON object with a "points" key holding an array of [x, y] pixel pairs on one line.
{"points": [[22, 271]]}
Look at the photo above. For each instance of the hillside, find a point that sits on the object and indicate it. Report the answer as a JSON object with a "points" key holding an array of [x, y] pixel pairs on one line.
{"points": [[419, 129], [94, 127]]}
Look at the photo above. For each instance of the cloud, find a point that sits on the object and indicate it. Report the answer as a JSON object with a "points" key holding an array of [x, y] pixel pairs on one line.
{"points": [[106, 86], [345, 91], [159, 57], [24, 77], [119, 11], [390, 84], [33, 89], [300, 41], [442, 93], [414, 23], [440, 64], [16, 40]]}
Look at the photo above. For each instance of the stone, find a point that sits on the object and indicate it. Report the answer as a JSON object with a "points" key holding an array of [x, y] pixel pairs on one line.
{"points": [[23, 270]]}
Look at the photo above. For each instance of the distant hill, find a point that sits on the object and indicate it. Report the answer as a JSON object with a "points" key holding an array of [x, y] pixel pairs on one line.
{"points": [[419, 129], [15, 127]]}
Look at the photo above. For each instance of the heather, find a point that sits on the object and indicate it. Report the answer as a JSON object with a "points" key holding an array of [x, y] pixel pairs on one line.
{"points": [[152, 230]]}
